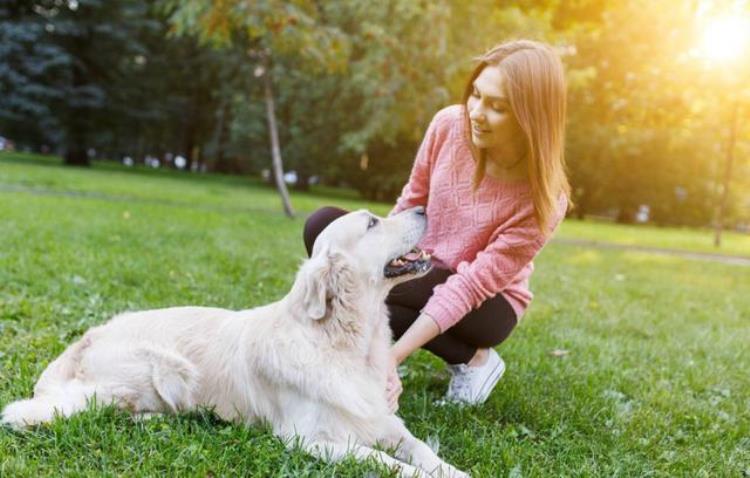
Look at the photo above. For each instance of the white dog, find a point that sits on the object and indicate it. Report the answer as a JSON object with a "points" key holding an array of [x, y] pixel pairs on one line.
{"points": [[313, 364]]}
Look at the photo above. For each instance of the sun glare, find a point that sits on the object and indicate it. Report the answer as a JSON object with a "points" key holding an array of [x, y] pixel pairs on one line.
{"points": [[726, 38]]}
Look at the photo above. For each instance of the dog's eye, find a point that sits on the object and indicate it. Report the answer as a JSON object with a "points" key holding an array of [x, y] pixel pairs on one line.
{"points": [[373, 222]]}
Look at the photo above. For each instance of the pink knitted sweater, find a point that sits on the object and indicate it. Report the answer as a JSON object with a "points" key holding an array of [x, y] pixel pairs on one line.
{"points": [[488, 238]]}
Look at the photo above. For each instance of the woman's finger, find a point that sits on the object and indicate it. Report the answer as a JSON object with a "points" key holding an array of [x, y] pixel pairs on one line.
{"points": [[395, 393], [395, 389]]}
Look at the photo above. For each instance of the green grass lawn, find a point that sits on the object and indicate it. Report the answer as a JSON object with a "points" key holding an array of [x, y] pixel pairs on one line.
{"points": [[655, 380], [45, 174], [692, 240]]}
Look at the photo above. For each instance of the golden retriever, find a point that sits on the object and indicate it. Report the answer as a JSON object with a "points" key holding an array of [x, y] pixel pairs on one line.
{"points": [[313, 365]]}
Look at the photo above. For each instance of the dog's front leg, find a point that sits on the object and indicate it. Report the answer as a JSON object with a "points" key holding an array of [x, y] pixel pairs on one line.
{"points": [[332, 452], [415, 451]]}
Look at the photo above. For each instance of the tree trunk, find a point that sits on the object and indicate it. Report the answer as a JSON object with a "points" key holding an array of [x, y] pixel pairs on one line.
{"points": [[225, 120], [626, 214], [580, 207], [75, 152], [722, 206], [76, 156], [188, 142], [278, 169]]}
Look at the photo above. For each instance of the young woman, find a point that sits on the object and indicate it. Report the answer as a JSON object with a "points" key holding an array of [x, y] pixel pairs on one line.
{"points": [[491, 174]]}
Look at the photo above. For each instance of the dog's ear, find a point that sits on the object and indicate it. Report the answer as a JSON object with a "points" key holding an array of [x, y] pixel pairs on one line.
{"points": [[317, 285], [328, 283]]}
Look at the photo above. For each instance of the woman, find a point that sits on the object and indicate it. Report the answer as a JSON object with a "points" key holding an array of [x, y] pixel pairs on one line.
{"points": [[491, 175]]}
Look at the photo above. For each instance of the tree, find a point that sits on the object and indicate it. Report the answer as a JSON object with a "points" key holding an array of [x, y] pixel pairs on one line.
{"points": [[642, 119], [269, 30], [28, 60], [63, 65]]}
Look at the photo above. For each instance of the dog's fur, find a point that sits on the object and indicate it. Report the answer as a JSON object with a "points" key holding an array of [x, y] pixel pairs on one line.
{"points": [[313, 365]]}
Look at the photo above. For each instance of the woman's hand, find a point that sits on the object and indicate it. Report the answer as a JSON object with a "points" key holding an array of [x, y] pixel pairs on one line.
{"points": [[419, 333], [393, 387]]}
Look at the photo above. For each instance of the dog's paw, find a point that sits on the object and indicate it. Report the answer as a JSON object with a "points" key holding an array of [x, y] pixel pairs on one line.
{"points": [[15, 418]]}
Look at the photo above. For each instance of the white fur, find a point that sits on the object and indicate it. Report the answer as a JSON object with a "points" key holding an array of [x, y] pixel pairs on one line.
{"points": [[313, 364]]}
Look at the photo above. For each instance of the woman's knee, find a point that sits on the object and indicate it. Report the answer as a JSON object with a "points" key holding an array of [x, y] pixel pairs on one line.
{"points": [[316, 222], [487, 326], [498, 334]]}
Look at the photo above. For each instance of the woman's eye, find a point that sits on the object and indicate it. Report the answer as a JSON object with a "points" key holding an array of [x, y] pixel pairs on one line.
{"points": [[373, 222], [498, 108]]}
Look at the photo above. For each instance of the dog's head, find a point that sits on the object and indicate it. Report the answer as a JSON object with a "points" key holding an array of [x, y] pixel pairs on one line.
{"points": [[360, 253]]}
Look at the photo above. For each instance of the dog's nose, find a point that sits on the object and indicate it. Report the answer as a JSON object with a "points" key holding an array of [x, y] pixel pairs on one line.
{"points": [[419, 210]]}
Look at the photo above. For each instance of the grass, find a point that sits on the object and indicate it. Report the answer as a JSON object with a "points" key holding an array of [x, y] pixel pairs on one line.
{"points": [[685, 239], [654, 382], [44, 174]]}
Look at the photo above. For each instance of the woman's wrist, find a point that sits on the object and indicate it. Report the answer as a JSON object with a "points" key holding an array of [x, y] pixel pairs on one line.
{"points": [[398, 353], [419, 333]]}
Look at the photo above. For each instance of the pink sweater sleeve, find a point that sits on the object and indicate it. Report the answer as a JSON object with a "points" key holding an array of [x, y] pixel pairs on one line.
{"points": [[417, 189], [493, 268]]}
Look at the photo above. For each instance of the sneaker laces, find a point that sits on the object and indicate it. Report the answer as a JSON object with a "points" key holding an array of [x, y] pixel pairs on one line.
{"points": [[460, 382]]}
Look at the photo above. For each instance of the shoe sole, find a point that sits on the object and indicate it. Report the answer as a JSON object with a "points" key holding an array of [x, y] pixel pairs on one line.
{"points": [[490, 382]]}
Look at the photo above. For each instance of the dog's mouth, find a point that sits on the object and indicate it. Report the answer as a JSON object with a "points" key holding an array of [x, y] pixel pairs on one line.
{"points": [[415, 261]]}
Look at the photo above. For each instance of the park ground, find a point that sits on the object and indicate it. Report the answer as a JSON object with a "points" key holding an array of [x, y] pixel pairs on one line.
{"points": [[628, 363]]}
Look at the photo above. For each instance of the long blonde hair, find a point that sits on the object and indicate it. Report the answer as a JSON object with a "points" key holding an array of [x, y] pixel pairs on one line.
{"points": [[535, 86]]}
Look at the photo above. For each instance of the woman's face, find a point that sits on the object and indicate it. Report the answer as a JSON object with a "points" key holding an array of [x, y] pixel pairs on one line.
{"points": [[493, 125]]}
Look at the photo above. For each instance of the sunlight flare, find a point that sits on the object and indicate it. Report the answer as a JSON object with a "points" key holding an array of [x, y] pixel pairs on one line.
{"points": [[726, 38]]}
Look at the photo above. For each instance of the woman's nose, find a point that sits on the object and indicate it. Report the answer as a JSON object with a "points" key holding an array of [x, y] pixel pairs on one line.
{"points": [[476, 115]]}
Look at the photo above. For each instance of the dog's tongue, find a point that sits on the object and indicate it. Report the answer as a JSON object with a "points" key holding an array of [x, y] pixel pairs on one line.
{"points": [[411, 256]]}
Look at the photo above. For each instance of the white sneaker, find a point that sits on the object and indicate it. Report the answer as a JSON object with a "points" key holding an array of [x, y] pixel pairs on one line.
{"points": [[472, 385]]}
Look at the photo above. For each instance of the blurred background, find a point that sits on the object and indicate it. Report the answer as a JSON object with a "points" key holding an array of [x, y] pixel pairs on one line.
{"points": [[659, 92], [140, 146]]}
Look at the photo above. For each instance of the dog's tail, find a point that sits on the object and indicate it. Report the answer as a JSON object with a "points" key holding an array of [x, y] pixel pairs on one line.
{"points": [[66, 400], [146, 379], [57, 391]]}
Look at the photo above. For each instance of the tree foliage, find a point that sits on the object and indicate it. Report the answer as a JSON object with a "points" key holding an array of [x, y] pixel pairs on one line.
{"points": [[65, 67], [355, 84]]}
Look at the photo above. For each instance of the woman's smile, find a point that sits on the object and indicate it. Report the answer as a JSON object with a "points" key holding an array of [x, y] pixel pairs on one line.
{"points": [[476, 129]]}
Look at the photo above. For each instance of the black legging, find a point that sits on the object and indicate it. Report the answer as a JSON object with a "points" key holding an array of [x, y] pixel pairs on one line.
{"points": [[486, 326]]}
